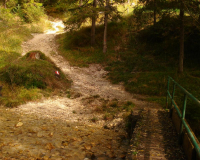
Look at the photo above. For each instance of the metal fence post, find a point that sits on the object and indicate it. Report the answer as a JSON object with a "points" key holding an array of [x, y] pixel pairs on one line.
{"points": [[173, 93], [183, 117], [196, 150], [167, 92]]}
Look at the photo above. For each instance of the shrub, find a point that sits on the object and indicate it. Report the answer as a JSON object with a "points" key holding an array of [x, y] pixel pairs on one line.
{"points": [[7, 17], [11, 4], [31, 12]]}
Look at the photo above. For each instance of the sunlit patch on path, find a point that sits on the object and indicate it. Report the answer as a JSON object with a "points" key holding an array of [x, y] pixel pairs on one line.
{"points": [[58, 26]]}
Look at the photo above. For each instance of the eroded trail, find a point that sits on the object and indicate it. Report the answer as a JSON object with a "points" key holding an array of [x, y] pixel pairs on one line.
{"points": [[60, 127], [87, 82]]}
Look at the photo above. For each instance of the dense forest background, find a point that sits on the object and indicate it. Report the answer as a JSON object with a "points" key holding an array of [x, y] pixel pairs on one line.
{"points": [[140, 43]]}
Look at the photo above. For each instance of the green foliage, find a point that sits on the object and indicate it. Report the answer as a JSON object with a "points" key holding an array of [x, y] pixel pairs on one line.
{"points": [[154, 57], [18, 95], [113, 104], [31, 12], [28, 11], [21, 77], [145, 10], [77, 19], [12, 32], [26, 79], [165, 34], [128, 106], [151, 55], [7, 17], [7, 58], [11, 3], [75, 45]]}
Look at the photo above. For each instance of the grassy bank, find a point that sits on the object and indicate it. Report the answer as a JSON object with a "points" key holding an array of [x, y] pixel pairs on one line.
{"points": [[29, 79], [21, 79]]}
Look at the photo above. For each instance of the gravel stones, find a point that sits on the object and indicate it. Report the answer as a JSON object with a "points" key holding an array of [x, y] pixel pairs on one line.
{"points": [[43, 138]]}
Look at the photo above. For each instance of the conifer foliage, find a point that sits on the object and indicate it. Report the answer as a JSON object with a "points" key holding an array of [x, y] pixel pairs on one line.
{"points": [[149, 12], [27, 10], [92, 12]]}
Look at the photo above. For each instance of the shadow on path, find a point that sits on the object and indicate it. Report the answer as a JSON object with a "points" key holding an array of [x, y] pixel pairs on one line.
{"points": [[154, 137], [172, 149]]}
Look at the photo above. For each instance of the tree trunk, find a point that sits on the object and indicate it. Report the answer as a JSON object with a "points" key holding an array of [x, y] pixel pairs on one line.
{"points": [[105, 27], [181, 55], [199, 13], [93, 24], [154, 12], [5, 3], [80, 2]]}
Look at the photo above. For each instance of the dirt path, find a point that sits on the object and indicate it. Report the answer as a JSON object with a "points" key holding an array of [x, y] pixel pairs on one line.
{"points": [[86, 81], [60, 128]]}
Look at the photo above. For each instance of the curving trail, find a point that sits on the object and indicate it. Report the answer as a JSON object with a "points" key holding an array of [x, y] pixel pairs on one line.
{"points": [[86, 81], [60, 128]]}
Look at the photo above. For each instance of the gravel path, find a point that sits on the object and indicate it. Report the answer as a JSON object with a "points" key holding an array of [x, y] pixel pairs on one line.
{"points": [[60, 128], [87, 82]]}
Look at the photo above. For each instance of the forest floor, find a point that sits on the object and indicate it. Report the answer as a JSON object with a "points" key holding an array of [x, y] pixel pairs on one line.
{"points": [[69, 126]]}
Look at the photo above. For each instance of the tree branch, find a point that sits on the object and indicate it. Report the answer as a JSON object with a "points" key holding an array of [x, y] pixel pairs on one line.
{"points": [[79, 7]]}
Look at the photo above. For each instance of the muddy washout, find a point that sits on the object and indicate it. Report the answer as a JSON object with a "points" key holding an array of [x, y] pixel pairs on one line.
{"points": [[68, 126]]}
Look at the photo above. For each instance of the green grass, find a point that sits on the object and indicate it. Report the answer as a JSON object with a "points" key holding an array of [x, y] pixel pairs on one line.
{"points": [[75, 45], [16, 95], [26, 78], [126, 9]]}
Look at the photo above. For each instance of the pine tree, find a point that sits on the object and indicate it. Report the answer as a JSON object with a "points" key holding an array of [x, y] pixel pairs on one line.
{"points": [[181, 54], [105, 27]]}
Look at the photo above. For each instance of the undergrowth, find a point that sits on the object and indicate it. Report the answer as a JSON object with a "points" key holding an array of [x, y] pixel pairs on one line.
{"points": [[22, 79], [75, 45]]}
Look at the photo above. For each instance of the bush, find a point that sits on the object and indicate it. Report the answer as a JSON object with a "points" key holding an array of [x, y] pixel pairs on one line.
{"points": [[11, 3], [31, 12], [7, 17]]}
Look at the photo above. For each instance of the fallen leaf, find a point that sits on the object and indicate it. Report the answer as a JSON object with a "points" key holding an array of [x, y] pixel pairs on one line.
{"points": [[19, 124], [49, 146], [51, 134]]}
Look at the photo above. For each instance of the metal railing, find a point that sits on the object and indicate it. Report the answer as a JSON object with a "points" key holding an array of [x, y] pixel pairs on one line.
{"points": [[182, 116]]}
